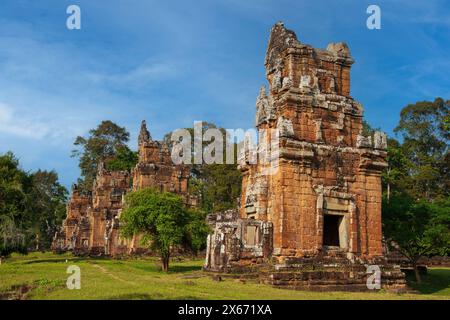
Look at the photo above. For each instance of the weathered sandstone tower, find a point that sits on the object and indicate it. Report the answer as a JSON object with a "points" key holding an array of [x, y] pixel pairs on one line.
{"points": [[322, 203]]}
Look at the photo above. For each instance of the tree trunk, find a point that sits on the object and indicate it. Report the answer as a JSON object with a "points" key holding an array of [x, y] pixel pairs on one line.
{"points": [[388, 191], [165, 263], [417, 273], [1, 260]]}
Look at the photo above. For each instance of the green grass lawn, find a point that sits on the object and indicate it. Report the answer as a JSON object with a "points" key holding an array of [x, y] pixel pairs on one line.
{"points": [[437, 281], [43, 276]]}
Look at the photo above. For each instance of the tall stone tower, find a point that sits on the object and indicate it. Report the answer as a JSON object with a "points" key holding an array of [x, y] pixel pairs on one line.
{"points": [[327, 189], [322, 197]]}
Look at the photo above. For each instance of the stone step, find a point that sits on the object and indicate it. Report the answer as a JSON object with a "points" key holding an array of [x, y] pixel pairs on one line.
{"points": [[332, 280]]}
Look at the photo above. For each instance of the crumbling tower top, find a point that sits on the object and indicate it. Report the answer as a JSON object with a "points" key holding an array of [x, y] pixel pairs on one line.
{"points": [[292, 63], [144, 134]]}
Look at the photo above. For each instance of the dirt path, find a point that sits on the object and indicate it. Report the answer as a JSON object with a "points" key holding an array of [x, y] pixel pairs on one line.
{"points": [[105, 271]]}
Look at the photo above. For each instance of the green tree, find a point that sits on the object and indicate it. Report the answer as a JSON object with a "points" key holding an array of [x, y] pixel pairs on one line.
{"points": [[15, 187], [31, 205], [423, 126], [417, 228], [49, 200], [159, 216], [11, 238], [125, 159], [218, 186], [15, 206], [102, 144], [396, 174], [196, 231]]}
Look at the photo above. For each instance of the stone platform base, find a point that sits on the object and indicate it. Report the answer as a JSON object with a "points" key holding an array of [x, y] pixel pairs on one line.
{"points": [[331, 279], [320, 273]]}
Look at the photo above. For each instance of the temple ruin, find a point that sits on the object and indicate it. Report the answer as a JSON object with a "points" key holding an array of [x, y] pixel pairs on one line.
{"points": [[92, 222], [309, 218], [314, 220]]}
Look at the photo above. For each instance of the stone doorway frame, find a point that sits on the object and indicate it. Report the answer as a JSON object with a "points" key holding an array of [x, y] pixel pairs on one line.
{"points": [[332, 202]]}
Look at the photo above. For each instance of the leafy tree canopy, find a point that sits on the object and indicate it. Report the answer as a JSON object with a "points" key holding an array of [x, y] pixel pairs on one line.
{"points": [[164, 222], [32, 206], [160, 217], [124, 160], [424, 128], [218, 186], [196, 230], [102, 144], [417, 228], [50, 199]]}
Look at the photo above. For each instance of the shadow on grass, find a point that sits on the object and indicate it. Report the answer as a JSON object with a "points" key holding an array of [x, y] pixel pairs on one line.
{"points": [[435, 281], [183, 269], [69, 259], [146, 296], [156, 268], [136, 296], [51, 261], [150, 267]]}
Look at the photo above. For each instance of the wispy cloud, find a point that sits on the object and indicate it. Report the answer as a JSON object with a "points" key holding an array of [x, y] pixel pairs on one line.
{"points": [[32, 126], [174, 62], [428, 77], [139, 77]]}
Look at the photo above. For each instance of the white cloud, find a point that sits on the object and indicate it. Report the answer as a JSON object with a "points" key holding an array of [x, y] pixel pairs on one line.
{"points": [[32, 126], [138, 77], [149, 71]]}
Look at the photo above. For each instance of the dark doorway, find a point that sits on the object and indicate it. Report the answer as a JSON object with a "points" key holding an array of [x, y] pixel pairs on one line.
{"points": [[331, 230]]}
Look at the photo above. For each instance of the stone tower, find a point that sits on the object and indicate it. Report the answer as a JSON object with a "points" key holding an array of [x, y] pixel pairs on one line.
{"points": [[327, 189], [92, 225], [156, 169], [323, 198]]}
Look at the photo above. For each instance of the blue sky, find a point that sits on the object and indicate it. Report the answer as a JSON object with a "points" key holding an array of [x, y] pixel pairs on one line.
{"points": [[173, 62]]}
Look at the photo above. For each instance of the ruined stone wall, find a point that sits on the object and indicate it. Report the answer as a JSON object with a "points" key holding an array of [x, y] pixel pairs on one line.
{"points": [[237, 242], [66, 238], [108, 191]]}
